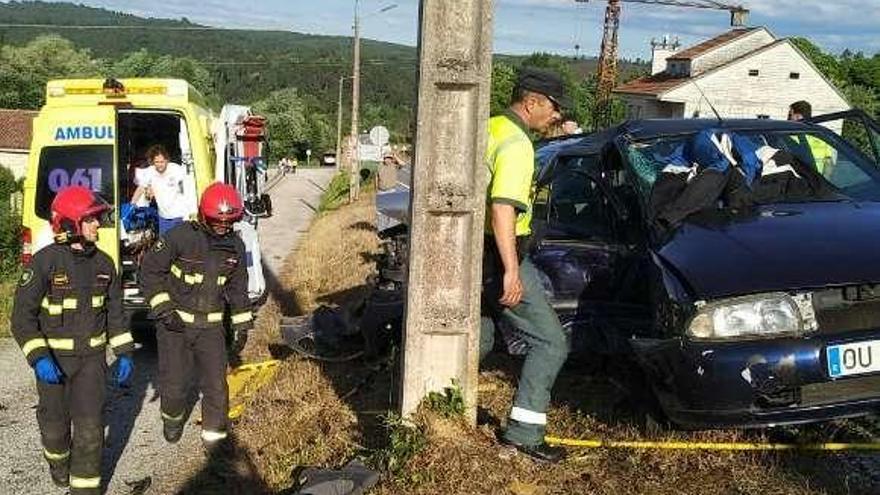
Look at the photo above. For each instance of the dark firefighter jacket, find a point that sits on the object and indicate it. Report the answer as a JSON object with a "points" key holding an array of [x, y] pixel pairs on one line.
{"points": [[197, 274], [69, 303]]}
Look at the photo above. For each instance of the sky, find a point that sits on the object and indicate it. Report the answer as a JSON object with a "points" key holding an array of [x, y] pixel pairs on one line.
{"points": [[527, 26]]}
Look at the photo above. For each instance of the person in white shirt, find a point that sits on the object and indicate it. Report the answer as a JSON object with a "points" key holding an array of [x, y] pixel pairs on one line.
{"points": [[171, 187]]}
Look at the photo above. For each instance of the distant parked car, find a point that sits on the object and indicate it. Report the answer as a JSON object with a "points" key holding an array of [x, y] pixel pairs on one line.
{"points": [[734, 263], [328, 160]]}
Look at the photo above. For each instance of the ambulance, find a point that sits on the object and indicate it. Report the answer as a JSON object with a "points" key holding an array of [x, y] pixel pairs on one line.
{"points": [[95, 133]]}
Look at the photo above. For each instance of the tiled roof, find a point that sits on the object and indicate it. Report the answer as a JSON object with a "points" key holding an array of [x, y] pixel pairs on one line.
{"points": [[15, 129], [701, 48], [651, 85]]}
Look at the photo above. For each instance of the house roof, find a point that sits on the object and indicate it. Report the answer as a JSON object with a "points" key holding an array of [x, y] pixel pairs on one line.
{"points": [[653, 85], [15, 128], [695, 51], [658, 84]]}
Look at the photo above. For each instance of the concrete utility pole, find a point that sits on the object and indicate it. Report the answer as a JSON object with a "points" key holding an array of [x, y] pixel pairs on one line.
{"points": [[441, 341], [354, 181]]}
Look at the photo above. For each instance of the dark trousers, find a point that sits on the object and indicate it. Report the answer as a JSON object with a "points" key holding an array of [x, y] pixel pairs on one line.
{"points": [[78, 400], [194, 351], [539, 324]]}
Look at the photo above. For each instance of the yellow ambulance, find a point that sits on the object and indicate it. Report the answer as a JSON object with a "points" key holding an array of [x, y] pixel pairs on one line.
{"points": [[95, 133]]}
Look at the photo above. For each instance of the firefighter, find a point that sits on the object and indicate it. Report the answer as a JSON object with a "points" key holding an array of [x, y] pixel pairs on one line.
{"points": [[190, 277], [68, 308]]}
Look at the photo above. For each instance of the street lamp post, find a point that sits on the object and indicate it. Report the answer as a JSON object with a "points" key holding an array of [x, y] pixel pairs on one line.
{"points": [[354, 179]]}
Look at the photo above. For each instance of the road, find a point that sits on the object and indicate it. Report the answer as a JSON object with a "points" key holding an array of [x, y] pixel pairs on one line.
{"points": [[135, 454]]}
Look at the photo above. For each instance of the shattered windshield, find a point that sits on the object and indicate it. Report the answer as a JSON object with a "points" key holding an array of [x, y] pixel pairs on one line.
{"points": [[756, 167]]}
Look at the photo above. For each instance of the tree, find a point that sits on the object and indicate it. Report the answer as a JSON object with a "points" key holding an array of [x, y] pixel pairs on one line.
{"points": [[142, 63], [24, 71], [294, 125]]}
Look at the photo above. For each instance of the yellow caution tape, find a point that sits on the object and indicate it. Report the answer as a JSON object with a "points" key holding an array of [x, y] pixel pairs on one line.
{"points": [[245, 380], [736, 446]]}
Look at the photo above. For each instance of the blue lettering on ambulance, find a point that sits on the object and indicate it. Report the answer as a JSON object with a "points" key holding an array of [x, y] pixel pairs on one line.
{"points": [[84, 132]]}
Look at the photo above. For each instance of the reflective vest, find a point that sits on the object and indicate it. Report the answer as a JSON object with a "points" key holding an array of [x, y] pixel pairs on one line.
{"points": [[824, 155], [510, 160]]}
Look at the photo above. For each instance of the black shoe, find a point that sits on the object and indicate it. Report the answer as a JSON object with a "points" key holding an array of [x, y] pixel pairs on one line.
{"points": [[172, 430], [542, 452], [60, 473]]}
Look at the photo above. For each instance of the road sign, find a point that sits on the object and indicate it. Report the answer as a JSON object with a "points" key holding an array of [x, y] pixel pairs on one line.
{"points": [[379, 135]]}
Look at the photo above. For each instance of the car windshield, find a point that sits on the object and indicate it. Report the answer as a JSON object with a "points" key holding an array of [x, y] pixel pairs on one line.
{"points": [[817, 164]]}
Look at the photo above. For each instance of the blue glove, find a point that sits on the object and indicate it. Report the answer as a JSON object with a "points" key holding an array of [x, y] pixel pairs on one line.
{"points": [[124, 368], [47, 370]]}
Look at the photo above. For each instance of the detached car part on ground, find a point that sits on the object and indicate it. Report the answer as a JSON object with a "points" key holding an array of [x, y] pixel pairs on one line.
{"points": [[734, 262]]}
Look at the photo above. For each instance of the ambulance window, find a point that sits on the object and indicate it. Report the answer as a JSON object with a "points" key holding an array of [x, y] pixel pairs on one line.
{"points": [[62, 166]]}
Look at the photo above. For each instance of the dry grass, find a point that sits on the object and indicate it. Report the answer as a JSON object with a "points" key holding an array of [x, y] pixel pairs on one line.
{"points": [[309, 417], [7, 296], [300, 419]]}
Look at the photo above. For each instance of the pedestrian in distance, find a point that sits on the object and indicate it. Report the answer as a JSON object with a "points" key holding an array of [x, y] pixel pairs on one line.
{"points": [[191, 277], [68, 309], [512, 289]]}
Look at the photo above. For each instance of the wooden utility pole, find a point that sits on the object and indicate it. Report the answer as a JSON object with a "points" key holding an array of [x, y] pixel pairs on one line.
{"points": [[441, 340], [354, 182]]}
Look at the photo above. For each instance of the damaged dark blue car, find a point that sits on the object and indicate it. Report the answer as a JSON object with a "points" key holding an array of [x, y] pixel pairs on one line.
{"points": [[734, 264], [750, 295]]}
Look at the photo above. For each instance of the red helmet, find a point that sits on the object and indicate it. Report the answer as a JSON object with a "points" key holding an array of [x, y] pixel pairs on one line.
{"points": [[220, 204], [71, 205]]}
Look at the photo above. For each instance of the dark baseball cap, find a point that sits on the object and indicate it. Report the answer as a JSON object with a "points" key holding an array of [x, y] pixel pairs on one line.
{"points": [[545, 82]]}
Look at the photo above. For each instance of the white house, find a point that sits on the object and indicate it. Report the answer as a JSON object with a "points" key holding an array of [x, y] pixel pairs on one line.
{"points": [[15, 139], [744, 73]]}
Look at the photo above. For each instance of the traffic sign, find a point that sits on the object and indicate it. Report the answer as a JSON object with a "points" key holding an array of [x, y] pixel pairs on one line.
{"points": [[379, 135]]}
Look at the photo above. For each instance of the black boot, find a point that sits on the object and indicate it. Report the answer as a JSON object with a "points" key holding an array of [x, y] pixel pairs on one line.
{"points": [[172, 430], [60, 472], [542, 452]]}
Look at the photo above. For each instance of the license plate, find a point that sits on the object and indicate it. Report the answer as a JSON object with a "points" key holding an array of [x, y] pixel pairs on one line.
{"points": [[853, 359]]}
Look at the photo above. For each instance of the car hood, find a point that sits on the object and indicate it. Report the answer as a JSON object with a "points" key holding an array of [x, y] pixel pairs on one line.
{"points": [[775, 248]]}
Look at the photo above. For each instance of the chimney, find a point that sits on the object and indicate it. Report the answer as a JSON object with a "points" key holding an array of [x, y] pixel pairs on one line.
{"points": [[660, 51]]}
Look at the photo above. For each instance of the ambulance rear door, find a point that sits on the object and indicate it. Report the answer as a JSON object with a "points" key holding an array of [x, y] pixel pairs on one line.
{"points": [[78, 147]]}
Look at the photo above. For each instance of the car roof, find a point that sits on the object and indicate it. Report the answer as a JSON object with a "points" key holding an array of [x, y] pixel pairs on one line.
{"points": [[650, 128]]}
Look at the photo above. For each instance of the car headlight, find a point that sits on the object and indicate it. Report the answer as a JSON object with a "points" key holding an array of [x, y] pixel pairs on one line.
{"points": [[760, 316]]}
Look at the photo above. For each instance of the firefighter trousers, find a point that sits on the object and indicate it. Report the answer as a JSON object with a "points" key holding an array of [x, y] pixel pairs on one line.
{"points": [[548, 347], [79, 400], [184, 354]]}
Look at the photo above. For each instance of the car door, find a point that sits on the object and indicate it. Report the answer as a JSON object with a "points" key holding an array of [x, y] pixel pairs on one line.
{"points": [[857, 127], [591, 271]]}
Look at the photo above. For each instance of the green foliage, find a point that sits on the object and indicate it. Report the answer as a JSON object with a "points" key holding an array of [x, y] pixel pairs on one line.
{"points": [[10, 226], [404, 442], [449, 403], [336, 194], [856, 75], [25, 70], [142, 63], [295, 125]]}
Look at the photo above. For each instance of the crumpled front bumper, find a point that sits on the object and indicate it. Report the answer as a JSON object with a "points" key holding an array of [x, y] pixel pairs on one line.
{"points": [[754, 383]]}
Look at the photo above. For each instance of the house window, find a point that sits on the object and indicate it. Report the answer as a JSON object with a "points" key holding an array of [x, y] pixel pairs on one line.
{"points": [[794, 75], [754, 72]]}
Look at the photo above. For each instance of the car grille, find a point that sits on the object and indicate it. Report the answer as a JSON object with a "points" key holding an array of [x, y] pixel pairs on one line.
{"points": [[848, 308]]}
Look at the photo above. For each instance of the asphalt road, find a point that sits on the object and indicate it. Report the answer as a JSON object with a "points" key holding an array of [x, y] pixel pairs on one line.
{"points": [[136, 457]]}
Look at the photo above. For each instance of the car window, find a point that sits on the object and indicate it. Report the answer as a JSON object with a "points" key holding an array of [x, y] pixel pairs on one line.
{"points": [[844, 170], [578, 205], [63, 166]]}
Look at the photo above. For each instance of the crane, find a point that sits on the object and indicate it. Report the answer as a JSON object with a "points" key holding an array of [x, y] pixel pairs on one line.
{"points": [[607, 70]]}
